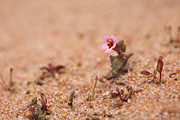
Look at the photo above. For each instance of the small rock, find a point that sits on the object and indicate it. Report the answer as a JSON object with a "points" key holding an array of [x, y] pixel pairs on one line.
{"points": [[27, 92], [95, 118], [95, 114], [107, 93], [118, 103]]}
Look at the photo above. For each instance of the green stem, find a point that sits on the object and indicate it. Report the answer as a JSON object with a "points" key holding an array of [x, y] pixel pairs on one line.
{"points": [[95, 83]]}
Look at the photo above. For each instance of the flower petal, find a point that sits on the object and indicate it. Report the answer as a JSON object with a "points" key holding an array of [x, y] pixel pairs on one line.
{"points": [[114, 45], [106, 38], [104, 45], [108, 50], [113, 38]]}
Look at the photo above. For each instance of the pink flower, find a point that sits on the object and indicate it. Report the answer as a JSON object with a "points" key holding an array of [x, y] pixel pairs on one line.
{"points": [[110, 43]]}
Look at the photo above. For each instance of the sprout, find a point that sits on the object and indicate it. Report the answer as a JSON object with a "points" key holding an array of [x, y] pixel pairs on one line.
{"points": [[159, 69], [38, 111]]}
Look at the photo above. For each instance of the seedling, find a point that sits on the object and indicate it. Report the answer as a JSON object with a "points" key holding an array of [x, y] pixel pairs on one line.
{"points": [[118, 62], [38, 111], [49, 71], [92, 96], [39, 82], [159, 69], [5, 86], [150, 74], [120, 94]]}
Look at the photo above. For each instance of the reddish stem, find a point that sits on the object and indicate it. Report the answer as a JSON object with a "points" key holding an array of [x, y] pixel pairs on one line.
{"points": [[160, 76], [118, 50]]}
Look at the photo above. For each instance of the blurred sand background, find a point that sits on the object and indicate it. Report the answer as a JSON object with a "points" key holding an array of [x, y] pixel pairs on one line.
{"points": [[34, 33]]}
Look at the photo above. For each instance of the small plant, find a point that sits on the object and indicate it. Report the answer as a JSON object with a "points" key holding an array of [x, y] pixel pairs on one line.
{"points": [[39, 112], [120, 94], [39, 82], [172, 39], [49, 71], [159, 69], [92, 96], [118, 62], [5, 86]]}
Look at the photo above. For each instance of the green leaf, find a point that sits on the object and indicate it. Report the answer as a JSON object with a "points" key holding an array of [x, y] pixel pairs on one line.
{"points": [[163, 81], [38, 111], [149, 76], [110, 97], [129, 94], [118, 63], [32, 115], [41, 83], [117, 89], [121, 43], [38, 82], [123, 48], [29, 105], [89, 97], [48, 112], [34, 100], [92, 97], [155, 71], [111, 75], [111, 58], [49, 75]]}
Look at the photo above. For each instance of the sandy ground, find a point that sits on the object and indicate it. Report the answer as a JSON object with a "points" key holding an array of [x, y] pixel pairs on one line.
{"points": [[35, 33]]}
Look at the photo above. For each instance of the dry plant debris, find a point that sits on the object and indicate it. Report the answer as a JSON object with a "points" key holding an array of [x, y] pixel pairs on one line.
{"points": [[6, 86], [70, 101], [120, 94]]}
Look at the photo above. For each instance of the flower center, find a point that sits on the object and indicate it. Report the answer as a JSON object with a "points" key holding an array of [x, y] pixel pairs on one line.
{"points": [[110, 44]]}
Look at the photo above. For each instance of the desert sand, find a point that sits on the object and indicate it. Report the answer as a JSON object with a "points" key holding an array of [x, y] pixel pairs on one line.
{"points": [[70, 33]]}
